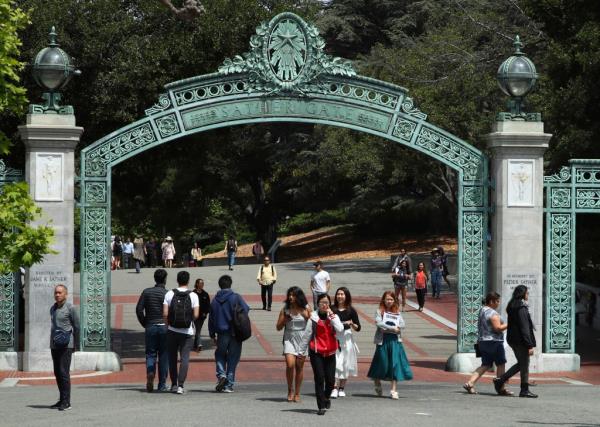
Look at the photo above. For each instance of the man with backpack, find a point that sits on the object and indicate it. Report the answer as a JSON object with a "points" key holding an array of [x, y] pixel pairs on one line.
{"points": [[231, 248], [267, 276], [180, 308], [228, 326]]}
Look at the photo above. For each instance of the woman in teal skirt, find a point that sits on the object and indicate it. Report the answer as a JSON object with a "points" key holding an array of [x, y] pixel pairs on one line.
{"points": [[389, 361]]}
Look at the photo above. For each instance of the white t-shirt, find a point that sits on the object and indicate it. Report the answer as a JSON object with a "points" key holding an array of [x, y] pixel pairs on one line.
{"points": [[319, 280], [195, 303]]}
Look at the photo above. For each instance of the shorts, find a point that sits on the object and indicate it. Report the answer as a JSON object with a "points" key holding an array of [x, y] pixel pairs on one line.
{"points": [[492, 352], [400, 284]]}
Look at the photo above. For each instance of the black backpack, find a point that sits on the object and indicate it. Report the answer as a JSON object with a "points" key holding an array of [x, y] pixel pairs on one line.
{"points": [[180, 309], [242, 327]]}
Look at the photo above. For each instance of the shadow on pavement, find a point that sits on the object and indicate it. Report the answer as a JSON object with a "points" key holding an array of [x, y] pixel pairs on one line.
{"points": [[40, 407], [440, 337], [301, 411], [128, 343], [356, 266], [273, 399]]}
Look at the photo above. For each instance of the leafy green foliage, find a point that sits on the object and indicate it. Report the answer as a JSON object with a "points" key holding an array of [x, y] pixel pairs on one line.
{"points": [[20, 244], [12, 95]]}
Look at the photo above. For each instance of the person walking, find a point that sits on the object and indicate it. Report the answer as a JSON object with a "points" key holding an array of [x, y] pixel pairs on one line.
{"points": [[257, 250], [180, 308], [346, 358], [520, 338], [294, 320], [437, 268], [168, 252], [196, 254], [389, 361], [139, 252], [117, 252], [127, 253], [490, 342], [402, 257], [151, 253], [220, 328], [149, 311], [231, 247], [64, 334], [266, 278], [400, 276], [445, 271], [204, 299], [325, 324], [320, 282], [420, 280]]}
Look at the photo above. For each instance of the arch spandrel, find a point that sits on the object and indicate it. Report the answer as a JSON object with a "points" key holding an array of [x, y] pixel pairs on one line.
{"points": [[285, 77]]}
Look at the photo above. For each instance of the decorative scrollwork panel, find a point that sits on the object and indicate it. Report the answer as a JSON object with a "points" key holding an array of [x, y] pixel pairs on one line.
{"points": [[7, 312], [472, 276], [587, 198]]}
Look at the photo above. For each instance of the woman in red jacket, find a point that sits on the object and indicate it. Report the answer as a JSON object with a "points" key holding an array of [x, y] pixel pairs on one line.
{"points": [[322, 348]]}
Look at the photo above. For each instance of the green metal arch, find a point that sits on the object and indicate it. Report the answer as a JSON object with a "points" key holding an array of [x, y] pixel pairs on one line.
{"points": [[270, 84]]}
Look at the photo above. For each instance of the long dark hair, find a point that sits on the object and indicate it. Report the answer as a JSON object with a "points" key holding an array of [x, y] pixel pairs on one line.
{"points": [[298, 294], [348, 301], [517, 296]]}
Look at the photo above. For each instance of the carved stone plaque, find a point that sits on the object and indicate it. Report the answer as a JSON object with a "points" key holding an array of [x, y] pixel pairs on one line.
{"points": [[520, 183], [49, 177]]}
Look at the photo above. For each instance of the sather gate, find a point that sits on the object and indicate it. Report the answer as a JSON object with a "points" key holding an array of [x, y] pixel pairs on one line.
{"points": [[285, 77]]}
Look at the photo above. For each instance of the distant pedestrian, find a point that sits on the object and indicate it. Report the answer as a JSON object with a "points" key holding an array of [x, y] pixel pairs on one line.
{"points": [[117, 252], [168, 252], [420, 280], [196, 254], [231, 247], [445, 271], [204, 299], [437, 268], [490, 342], [266, 278], [127, 254], [320, 282], [325, 324], [220, 328], [151, 256], [389, 361], [400, 276], [520, 338], [149, 311], [180, 308], [139, 252], [63, 335], [347, 355], [294, 320], [257, 250], [402, 257]]}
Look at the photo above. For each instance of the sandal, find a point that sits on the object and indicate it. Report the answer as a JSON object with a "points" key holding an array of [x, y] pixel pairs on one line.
{"points": [[470, 389], [505, 392], [378, 390], [297, 398], [290, 396]]}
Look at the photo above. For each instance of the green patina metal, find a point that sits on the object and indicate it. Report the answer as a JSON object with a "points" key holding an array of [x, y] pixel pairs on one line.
{"points": [[9, 294], [285, 77], [574, 189]]}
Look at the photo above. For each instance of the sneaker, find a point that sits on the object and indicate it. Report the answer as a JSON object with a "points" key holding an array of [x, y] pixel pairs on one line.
{"points": [[221, 384], [173, 389], [56, 405], [150, 382], [64, 407], [180, 390], [161, 388], [341, 392], [321, 411], [527, 393], [498, 385], [334, 393], [378, 390], [227, 390], [328, 404], [394, 395]]}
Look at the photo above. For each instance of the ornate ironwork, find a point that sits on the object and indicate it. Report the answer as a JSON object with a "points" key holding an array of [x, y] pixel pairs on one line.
{"points": [[574, 189], [286, 76], [9, 294]]}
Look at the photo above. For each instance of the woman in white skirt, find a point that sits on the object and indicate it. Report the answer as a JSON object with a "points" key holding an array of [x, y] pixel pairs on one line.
{"points": [[347, 354], [294, 318]]}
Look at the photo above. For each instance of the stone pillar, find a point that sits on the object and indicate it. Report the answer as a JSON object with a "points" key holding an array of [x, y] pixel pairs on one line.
{"points": [[50, 141]]}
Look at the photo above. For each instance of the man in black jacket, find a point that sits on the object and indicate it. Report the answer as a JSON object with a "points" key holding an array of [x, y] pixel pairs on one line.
{"points": [[149, 311]]}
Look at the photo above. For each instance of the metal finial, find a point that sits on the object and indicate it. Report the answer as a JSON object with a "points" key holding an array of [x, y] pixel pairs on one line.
{"points": [[518, 45], [53, 37]]}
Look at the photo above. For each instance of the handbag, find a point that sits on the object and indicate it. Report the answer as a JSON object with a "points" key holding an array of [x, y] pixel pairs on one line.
{"points": [[477, 352], [61, 338]]}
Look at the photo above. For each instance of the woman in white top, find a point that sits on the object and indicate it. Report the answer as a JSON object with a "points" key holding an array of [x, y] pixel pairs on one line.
{"points": [[294, 318]]}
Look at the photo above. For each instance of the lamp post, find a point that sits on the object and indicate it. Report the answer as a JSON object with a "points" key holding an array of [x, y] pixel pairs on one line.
{"points": [[52, 70], [516, 77]]}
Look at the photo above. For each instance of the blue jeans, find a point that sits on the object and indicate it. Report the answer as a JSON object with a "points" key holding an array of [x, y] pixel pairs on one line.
{"points": [[436, 282], [156, 345], [230, 258], [227, 357]]}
